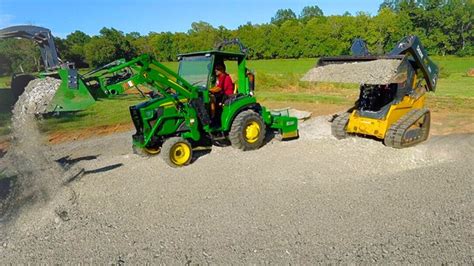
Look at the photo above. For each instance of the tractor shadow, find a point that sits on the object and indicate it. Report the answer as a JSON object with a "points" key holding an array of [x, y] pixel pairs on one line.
{"points": [[6, 184], [204, 150], [199, 152], [67, 162]]}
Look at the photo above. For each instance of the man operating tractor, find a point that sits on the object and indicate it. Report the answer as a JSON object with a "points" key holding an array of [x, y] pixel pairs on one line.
{"points": [[223, 89], [224, 84]]}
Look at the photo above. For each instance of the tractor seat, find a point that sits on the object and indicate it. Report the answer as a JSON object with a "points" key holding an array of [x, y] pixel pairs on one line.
{"points": [[233, 97]]}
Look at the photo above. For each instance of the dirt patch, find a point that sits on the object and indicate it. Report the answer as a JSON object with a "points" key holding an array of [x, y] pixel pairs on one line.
{"points": [[60, 137], [470, 73], [444, 122], [373, 72], [4, 144]]}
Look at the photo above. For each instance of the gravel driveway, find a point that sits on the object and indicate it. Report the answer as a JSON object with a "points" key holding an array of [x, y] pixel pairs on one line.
{"points": [[315, 199]]}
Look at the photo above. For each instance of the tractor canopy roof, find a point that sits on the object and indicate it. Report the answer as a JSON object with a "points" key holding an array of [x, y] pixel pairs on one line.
{"points": [[217, 53]]}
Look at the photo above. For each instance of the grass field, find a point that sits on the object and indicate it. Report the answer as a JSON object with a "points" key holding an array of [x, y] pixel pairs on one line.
{"points": [[5, 82], [278, 81]]}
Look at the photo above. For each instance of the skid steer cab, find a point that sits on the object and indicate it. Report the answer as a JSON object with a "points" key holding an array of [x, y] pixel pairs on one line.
{"points": [[184, 114]]}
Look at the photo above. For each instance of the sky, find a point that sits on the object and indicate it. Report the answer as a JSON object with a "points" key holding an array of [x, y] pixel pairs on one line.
{"points": [[144, 16]]}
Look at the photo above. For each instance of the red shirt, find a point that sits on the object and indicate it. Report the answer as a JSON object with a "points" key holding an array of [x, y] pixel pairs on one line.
{"points": [[224, 81]]}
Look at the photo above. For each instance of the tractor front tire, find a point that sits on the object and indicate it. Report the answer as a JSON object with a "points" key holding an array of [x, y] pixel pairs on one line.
{"points": [[146, 152], [247, 131], [177, 152]]}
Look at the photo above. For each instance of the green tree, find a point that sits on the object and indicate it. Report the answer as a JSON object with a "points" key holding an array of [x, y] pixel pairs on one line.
{"points": [[310, 12], [123, 47], [72, 49], [100, 51], [283, 15], [23, 55], [202, 36], [164, 45]]}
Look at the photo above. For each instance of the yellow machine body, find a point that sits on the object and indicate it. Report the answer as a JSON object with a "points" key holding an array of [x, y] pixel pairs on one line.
{"points": [[379, 127]]}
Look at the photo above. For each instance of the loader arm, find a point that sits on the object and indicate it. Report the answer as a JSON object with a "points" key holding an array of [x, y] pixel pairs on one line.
{"points": [[412, 45], [158, 76], [42, 37]]}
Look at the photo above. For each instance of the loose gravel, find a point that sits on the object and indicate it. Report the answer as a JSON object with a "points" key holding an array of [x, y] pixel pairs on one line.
{"points": [[372, 73], [315, 199], [38, 178]]}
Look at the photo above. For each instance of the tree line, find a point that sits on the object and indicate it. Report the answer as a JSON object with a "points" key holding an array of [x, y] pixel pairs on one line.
{"points": [[444, 26]]}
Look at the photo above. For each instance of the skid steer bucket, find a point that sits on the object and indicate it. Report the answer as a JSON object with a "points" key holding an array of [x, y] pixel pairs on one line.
{"points": [[356, 69]]}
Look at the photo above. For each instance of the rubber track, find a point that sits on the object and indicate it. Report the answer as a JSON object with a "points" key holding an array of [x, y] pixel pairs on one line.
{"points": [[338, 126], [394, 137]]}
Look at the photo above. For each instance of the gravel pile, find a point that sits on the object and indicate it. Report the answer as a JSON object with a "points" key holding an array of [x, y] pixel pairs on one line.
{"points": [[315, 128], [372, 72]]}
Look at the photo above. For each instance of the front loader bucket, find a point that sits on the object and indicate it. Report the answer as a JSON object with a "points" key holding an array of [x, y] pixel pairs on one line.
{"points": [[72, 95]]}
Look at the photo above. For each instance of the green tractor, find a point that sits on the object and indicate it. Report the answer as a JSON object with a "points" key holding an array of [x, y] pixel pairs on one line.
{"points": [[183, 114]]}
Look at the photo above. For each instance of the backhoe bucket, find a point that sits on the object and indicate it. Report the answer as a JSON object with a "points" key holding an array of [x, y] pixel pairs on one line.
{"points": [[72, 94]]}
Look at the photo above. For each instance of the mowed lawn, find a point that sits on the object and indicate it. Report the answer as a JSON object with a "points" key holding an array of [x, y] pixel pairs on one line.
{"points": [[278, 83]]}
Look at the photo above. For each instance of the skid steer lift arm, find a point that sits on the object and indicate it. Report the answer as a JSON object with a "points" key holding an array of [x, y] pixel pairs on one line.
{"points": [[411, 45], [42, 37]]}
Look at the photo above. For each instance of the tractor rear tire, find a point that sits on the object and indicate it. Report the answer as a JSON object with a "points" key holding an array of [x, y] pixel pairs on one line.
{"points": [[247, 131], [177, 152]]}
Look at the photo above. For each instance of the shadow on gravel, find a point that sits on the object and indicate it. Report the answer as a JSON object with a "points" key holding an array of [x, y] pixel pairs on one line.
{"points": [[66, 162], [6, 183], [84, 172], [103, 169], [273, 135], [199, 152]]}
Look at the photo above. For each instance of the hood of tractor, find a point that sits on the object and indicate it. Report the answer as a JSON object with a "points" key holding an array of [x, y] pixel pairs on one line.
{"points": [[146, 114]]}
